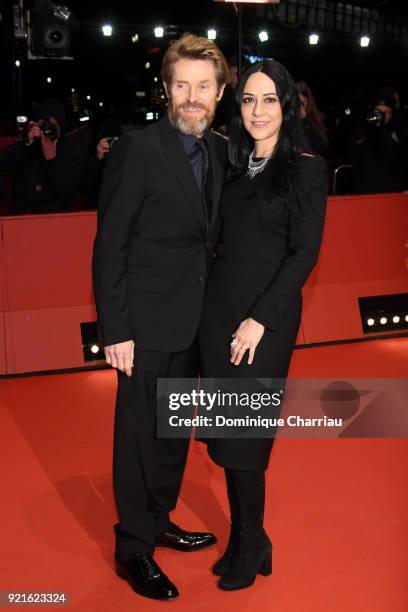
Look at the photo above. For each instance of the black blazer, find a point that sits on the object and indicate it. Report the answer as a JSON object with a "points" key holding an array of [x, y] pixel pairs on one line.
{"points": [[153, 244]]}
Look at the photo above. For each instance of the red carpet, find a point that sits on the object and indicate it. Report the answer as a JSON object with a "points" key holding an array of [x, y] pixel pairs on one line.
{"points": [[336, 509]]}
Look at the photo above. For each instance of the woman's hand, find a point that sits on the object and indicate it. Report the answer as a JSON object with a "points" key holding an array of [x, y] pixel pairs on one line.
{"points": [[247, 336]]}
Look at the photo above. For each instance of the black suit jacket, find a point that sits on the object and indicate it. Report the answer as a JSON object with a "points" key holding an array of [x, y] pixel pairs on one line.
{"points": [[153, 244]]}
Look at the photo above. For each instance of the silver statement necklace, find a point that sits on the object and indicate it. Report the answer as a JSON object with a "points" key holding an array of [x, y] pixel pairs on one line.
{"points": [[255, 167]]}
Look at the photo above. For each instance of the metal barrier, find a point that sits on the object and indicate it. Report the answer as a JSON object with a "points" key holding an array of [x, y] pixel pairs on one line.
{"points": [[335, 175]]}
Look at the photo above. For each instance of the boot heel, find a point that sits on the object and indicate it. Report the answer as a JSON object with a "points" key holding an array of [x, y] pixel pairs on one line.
{"points": [[265, 569]]}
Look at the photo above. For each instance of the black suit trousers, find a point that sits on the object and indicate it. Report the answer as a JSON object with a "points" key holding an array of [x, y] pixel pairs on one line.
{"points": [[147, 471]]}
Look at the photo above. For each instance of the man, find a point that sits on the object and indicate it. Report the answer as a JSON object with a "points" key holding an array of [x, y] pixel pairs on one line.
{"points": [[157, 226], [380, 147], [109, 132], [48, 167]]}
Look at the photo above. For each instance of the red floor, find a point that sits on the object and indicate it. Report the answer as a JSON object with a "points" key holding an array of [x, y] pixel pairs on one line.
{"points": [[336, 509]]}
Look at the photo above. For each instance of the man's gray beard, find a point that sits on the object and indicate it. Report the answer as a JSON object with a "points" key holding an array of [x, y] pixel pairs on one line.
{"points": [[193, 127]]}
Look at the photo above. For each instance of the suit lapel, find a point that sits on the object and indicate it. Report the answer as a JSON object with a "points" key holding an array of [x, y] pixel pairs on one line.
{"points": [[178, 160]]}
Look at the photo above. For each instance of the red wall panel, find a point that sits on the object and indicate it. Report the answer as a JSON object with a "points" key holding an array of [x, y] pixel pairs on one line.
{"points": [[46, 284], [48, 280], [363, 253], [364, 239], [3, 367], [47, 339], [48, 260], [3, 307]]}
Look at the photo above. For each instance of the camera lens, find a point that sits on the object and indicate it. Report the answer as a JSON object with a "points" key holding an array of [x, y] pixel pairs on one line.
{"points": [[56, 36]]}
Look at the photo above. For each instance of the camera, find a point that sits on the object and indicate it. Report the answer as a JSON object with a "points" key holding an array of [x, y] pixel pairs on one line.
{"points": [[374, 117], [49, 130], [111, 140]]}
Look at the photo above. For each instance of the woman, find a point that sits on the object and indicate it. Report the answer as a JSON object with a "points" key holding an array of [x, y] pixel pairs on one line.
{"points": [[272, 211], [312, 120]]}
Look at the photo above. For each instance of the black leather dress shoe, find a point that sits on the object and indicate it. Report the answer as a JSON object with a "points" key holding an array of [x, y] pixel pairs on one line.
{"points": [[145, 577], [186, 541]]}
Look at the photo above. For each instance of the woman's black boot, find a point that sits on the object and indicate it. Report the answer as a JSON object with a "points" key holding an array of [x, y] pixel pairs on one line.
{"points": [[254, 557], [223, 563], [250, 552]]}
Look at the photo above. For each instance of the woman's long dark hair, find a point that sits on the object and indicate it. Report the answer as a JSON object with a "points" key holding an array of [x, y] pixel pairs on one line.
{"points": [[291, 142]]}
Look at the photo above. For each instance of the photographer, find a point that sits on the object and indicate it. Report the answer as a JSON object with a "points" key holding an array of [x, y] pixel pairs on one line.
{"points": [[109, 133], [379, 147], [47, 166]]}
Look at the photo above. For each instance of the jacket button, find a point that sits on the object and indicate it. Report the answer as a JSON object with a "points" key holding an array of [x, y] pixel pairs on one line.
{"points": [[202, 280]]}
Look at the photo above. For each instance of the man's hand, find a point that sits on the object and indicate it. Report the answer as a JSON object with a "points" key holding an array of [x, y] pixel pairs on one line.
{"points": [[121, 356], [49, 147], [34, 131], [387, 112], [247, 337], [102, 148]]}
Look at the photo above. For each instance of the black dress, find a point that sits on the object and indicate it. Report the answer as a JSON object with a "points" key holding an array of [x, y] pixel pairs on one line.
{"points": [[267, 250]]}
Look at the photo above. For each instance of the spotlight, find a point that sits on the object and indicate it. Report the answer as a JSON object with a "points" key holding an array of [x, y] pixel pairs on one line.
{"points": [[155, 79], [107, 30], [49, 80], [135, 38], [159, 32], [252, 59], [263, 36], [149, 116], [384, 313], [147, 65], [88, 97], [91, 344], [212, 34], [100, 104], [364, 41], [72, 90], [84, 118], [313, 39], [17, 63]]}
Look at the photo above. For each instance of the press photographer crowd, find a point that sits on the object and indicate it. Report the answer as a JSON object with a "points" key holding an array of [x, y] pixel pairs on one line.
{"points": [[55, 165]]}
